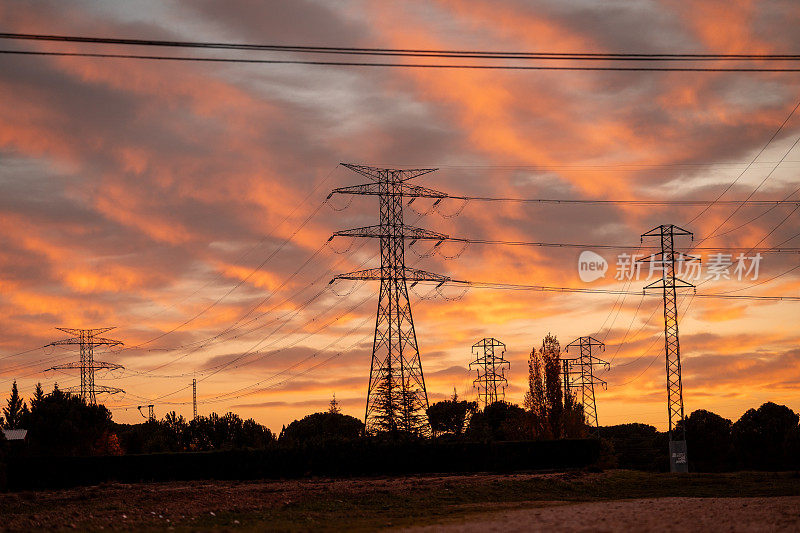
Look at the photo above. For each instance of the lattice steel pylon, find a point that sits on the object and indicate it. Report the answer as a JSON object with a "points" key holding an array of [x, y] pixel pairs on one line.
{"points": [[579, 376], [396, 394], [151, 414], [87, 339], [194, 398], [669, 285], [491, 370]]}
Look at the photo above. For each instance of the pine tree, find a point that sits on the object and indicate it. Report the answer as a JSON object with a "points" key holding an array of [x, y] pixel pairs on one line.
{"points": [[334, 406], [386, 405], [16, 409], [38, 396]]}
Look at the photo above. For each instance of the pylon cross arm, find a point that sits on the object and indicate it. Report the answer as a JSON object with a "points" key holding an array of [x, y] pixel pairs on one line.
{"points": [[417, 191], [87, 332], [658, 231], [66, 366], [97, 389], [407, 232], [102, 365], [366, 188], [404, 190], [408, 274], [675, 282], [65, 342], [99, 341], [376, 174]]}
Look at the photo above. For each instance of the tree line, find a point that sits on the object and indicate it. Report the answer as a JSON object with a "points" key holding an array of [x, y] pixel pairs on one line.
{"points": [[765, 438]]}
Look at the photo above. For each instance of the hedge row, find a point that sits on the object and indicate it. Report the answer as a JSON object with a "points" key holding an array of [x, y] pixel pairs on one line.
{"points": [[355, 458]]}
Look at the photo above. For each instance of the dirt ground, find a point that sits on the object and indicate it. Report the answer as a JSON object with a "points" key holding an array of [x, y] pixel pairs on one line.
{"points": [[572, 501], [642, 515]]}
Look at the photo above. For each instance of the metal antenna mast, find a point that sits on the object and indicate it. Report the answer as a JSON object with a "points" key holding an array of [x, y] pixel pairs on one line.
{"points": [[579, 375], [194, 398], [668, 285], [87, 339], [490, 365], [396, 395]]}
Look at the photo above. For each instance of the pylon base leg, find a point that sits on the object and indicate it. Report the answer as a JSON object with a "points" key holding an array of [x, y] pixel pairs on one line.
{"points": [[678, 460]]}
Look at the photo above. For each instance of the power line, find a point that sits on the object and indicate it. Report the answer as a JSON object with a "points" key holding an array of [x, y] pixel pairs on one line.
{"points": [[261, 241], [588, 167], [23, 352], [237, 285], [252, 352], [625, 202], [656, 338], [479, 54], [252, 272], [229, 329], [238, 392], [544, 288], [450, 66], [752, 162], [642, 202], [609, 246], [206, 342]]}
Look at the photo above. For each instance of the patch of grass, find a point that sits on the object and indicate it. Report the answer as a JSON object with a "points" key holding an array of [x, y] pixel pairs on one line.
{"points": [[465, 496], [361, 504]]}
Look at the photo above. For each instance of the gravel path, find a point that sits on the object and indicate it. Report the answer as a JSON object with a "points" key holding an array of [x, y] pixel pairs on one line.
{"points": [[660, 514]]}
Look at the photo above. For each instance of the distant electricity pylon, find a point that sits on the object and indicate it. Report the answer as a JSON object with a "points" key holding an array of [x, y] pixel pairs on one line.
{"points": [[579, 376], [396, 395], [490, 365], [194, 398], [151, 415], [672, 348], [87, 339]]}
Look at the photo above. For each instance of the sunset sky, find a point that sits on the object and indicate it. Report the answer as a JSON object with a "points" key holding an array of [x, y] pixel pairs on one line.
{"points": [[182, 202]]}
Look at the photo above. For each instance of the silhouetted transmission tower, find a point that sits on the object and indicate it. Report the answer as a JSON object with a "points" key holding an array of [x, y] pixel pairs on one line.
{"points": [[579, 376], [672, 348], [490, 365], [151, 414], [396, 395], [87, 339]]}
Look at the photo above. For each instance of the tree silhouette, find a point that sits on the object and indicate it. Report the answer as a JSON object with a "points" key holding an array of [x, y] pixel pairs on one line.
{"points": [[63, 424], [38, 395], [545, 397], [535, 400], [449, 416], [214, 432], [500, 421], [763, 438], [708, 439], [573, 422], [322, 427], [16, 411], [334, 406]]}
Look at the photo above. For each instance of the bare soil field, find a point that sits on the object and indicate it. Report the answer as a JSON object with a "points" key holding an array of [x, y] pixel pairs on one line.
{"points": [[780, 513], [572, 501]]}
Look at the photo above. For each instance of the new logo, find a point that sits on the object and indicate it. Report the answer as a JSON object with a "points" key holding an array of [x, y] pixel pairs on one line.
{"points": [[591, 266]]}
